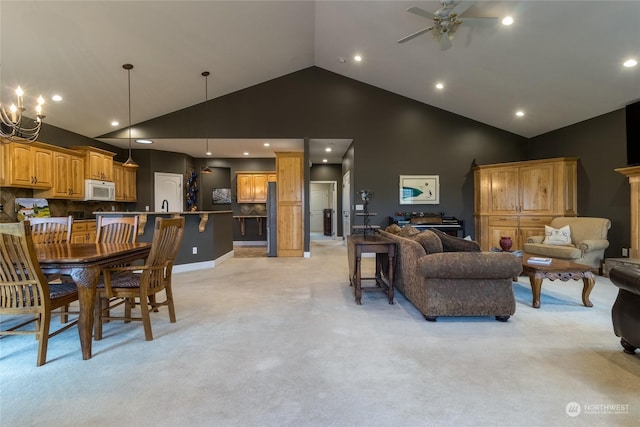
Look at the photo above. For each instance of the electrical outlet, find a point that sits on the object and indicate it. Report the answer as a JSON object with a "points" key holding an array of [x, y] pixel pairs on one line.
{"points": [[195, 250], [625, 252], [359, 207]]}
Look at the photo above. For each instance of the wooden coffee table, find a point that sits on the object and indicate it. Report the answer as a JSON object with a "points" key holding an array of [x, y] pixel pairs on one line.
{"points": [[559, 269]]}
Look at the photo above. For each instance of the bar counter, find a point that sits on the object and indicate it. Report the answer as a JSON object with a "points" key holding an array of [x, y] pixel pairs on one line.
{"points": [[208, 235]]}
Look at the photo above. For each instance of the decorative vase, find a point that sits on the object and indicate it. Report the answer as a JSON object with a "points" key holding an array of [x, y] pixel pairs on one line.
{"points": [[506, 243]]}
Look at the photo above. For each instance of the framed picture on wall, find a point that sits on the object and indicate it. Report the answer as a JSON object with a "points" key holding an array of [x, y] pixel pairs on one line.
{"points": [[221, 196], [419, 189]]}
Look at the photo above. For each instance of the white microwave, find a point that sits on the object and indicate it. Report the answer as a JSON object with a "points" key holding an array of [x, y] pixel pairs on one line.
{"points": [[99, 190]]}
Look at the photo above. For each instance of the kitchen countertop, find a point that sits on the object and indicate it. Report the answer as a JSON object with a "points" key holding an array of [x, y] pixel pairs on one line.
{"points": [[204, 216]]}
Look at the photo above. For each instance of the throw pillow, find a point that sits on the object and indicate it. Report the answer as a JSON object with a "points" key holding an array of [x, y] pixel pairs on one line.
{"points": [[429, 241], [393, 229], [456, 244], [557, 236], [408, 231]]}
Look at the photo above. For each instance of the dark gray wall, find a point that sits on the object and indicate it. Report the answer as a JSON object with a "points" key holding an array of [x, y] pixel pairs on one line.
{"points": [[600, 143], [392, 135]]}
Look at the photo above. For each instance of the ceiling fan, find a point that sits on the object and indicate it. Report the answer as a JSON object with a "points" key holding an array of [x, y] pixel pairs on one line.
{"points": [[446, 21]]}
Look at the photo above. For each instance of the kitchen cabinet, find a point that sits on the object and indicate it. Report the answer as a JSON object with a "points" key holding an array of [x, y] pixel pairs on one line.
{"points": [[68, 176], [290, 189], [125, 180], [27, 165], [98, 163], [518, 199], [83, 231], [252, 186]]}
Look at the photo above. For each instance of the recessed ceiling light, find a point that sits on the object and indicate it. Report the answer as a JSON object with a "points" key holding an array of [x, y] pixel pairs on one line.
{"points": [[357, 58], [630, 63], [246, 153], [507, 20], [328, 149], [56, 98], [144, 141], [115, 123], [324, 160], [520, 113], [208, 153], [266, 144], [439, 86]]}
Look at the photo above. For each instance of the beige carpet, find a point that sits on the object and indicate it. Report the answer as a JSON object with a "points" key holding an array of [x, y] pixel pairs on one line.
{"points": [[280, 342], [249, 251]]}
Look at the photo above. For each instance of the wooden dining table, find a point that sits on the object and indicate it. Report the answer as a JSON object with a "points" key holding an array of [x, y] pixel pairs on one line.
{"points": [[83, 262]]}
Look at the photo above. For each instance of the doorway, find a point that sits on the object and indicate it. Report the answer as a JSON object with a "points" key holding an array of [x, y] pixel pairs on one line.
{"points": [[323, 221], [346, 205], [168, 187]]}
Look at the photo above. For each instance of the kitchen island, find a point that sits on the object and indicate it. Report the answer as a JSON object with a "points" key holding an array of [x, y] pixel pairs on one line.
{"points": [[208, 235]]}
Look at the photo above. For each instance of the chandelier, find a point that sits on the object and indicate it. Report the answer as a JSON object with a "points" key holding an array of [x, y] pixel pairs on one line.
{"points": [[11, 127]]}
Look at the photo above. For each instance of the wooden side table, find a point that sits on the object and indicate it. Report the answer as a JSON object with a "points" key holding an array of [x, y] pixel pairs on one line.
{"points": [[385, 251]]}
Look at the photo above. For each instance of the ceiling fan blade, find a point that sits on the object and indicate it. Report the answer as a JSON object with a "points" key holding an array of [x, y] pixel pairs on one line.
{"points": [[414, 35], [421, 12], [445, 42], [481, 20], [461, 7]]}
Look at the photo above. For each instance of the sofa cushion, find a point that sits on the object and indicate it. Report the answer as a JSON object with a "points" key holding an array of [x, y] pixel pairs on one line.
{"points": [[429, 241], [470, 265], [408, 231], [393, 229], [553, 251], [456, 244], [557, 236]]}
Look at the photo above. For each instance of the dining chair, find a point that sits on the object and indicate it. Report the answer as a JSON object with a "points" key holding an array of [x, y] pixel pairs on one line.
{"points": [[53, 230], [24, 290], [117, 230], [119, 285]]}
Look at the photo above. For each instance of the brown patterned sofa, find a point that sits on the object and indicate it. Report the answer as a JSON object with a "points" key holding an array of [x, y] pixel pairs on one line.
{"points": [[447, 276]]}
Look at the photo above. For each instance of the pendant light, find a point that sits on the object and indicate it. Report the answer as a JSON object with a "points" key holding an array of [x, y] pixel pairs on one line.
{"points": [[130, 163], [205, 74]]}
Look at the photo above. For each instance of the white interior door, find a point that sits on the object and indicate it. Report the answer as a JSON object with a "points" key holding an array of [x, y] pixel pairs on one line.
{"points": [[168, 186], [346, 204], [318, 202]]}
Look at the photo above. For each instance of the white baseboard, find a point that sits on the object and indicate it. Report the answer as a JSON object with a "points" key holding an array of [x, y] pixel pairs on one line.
{"points": [[182, 268]]}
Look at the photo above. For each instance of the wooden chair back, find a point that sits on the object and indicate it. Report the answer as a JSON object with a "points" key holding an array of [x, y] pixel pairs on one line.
{"points": [[117, 230], [167, 238], [51, 230], [23, 288]]}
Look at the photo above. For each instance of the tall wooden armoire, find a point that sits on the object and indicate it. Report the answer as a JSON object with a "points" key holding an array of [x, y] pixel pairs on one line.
{"points": [[518, 199]]}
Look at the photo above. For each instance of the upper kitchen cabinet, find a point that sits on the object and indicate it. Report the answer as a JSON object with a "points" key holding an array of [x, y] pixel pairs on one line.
{"points": [[252, 186], [27, 165], [68, 176], [125, 180], [98, 163]]}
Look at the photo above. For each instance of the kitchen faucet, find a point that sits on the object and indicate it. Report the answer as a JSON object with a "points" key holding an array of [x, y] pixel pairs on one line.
{"points": [[165, 205]]}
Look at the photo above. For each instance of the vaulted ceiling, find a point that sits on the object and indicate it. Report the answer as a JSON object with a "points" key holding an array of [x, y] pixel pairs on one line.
{"points": [[560, 62]]}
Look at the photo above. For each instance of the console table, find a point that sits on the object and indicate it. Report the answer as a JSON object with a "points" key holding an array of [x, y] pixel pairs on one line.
{"points": [[385, 251]]}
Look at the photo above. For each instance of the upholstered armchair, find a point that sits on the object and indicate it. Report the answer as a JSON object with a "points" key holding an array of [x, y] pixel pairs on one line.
{"points": [[577, 239]]}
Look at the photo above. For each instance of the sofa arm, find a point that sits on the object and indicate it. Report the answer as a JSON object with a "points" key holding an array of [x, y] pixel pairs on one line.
{"points": [[626, 278], [470, 265], [592, 245], [535, 239]]}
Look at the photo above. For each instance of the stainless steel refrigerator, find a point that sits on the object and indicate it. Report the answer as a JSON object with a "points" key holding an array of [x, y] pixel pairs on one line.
{"points": [[272, 219]]}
